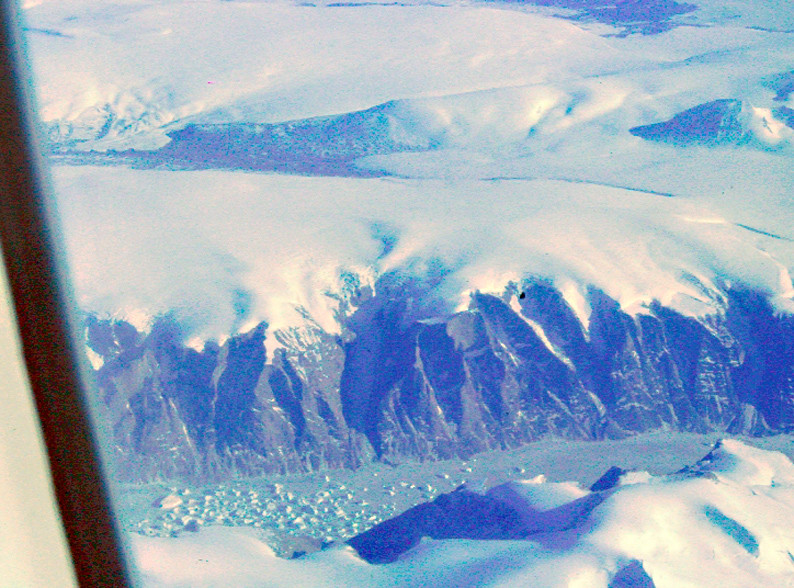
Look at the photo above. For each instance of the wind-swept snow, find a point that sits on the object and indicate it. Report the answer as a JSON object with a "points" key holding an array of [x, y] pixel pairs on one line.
{"points": [[276, 61]]}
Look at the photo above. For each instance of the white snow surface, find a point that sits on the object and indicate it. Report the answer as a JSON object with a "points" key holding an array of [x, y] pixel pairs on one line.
{"points": [[538, 494], [532, 170], [187, 242], [728, 523], [154, 63]]}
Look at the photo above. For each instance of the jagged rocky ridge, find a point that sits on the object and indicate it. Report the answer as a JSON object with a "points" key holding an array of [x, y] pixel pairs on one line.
{"points": [[557, 515], [407, 381], [501, 513]]}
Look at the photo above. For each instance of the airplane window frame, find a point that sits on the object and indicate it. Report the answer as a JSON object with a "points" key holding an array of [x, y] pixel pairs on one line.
{"points": [[32, 246]]}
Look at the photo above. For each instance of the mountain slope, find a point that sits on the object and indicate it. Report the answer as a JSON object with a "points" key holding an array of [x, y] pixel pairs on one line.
{"points": [[722, 122], [404, 383], [703, 497]]}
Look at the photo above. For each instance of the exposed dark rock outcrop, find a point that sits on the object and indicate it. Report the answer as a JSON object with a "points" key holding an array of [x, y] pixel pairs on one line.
{"points": [[407, 381], [720, 122], [782, 84], [464, 514], [326, 145], [714, 123], [632, 575], [645, 17]]}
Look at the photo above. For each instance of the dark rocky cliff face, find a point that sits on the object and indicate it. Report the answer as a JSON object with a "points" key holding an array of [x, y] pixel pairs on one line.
{"points": [[407, 382]]}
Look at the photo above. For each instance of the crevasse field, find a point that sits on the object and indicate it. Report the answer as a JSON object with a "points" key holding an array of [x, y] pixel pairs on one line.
{"points": [[495, 140]]}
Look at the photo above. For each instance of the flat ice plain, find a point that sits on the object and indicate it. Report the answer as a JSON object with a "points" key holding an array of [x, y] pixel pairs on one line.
{"points": [[497, 143]]}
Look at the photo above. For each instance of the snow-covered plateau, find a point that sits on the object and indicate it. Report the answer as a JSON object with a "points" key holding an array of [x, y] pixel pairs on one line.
{"points": [[331, 181], [496, 138]]}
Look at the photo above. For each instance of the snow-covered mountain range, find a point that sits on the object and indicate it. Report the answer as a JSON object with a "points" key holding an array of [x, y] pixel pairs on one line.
{"points": [[369, 201], [331, 235], [403, 382]]}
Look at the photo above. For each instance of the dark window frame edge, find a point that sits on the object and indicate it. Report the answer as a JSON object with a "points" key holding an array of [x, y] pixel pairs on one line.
{"points": [[45, 315]]}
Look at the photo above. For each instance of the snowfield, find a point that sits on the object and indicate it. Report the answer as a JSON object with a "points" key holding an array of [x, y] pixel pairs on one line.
{"points": [[192, 241], [724, 521], [515, 156]]}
